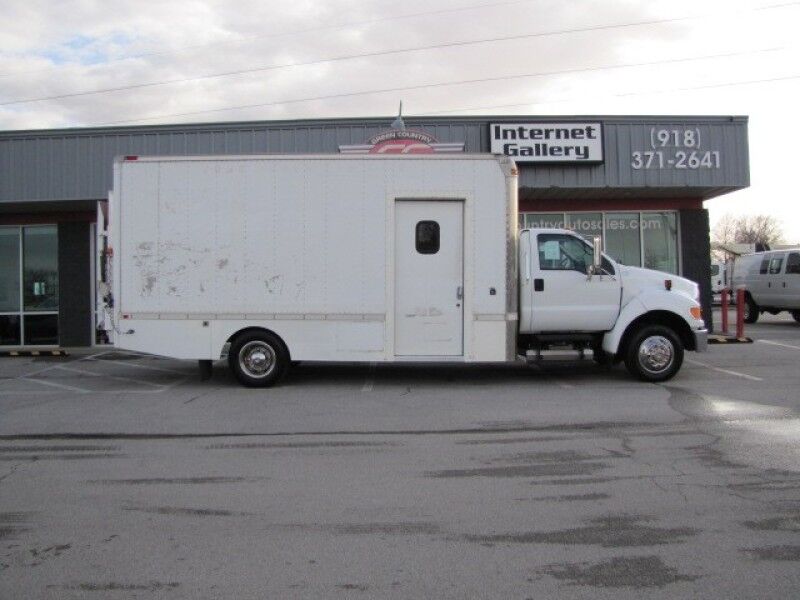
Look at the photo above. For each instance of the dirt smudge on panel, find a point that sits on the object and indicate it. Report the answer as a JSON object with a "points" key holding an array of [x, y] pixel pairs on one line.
{"points": [[353, 587], [613, 531], [520, 440], [114, 586], [170, 480], [401, 528], [789, 522], [617, 572], [268, 445], [31, 449], [572, 498], [77, 456], [12, 524], [574, 481], [222, 263], [785, 552], [189, 512]]}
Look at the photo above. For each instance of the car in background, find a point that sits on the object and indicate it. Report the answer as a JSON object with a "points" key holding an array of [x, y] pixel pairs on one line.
{"points": [[771, 281]]}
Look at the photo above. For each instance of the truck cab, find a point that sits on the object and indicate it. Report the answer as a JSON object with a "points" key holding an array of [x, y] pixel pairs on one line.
{"points": [[572, 296]]}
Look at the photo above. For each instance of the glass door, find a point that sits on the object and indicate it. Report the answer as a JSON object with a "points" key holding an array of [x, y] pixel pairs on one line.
{"points": [[29, 285]]}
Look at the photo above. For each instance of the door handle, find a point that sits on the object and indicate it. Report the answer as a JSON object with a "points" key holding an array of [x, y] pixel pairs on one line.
{"points": [[538, 285], [459, 292]]}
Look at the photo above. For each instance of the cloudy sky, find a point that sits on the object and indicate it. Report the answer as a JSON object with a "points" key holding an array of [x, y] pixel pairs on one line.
{"points": [[84, 62]]}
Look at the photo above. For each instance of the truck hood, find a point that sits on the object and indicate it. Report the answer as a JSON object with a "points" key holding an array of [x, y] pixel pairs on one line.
{"points": [[636, 280]]}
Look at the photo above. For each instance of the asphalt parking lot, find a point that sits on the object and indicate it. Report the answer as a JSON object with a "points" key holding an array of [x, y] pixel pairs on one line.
{"points": [[125, 476]]}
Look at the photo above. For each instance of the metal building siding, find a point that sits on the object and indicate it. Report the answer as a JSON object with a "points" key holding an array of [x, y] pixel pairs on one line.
{"points": [[76, 164]]}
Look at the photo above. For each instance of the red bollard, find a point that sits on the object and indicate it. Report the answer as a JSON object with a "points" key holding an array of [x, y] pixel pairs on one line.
{"points": [[740, 313], [725, 292]]}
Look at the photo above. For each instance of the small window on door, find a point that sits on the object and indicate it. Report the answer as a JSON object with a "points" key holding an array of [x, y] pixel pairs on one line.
{"points": [[427, 237], [775, 265]]}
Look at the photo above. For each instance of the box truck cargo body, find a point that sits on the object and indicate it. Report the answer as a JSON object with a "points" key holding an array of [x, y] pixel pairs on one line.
{"points": [[344, 258], [273, 259]]}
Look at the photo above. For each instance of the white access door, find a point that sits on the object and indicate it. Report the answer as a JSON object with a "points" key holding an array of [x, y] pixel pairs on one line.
{"points": [[429, 278]]}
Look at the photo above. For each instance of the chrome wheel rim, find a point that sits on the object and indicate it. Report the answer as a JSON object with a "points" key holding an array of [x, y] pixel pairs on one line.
{"points": [[257, 359], [656, 354]]}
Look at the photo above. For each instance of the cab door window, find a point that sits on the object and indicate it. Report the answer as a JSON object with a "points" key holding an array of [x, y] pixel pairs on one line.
{"points": [[558, 252]]}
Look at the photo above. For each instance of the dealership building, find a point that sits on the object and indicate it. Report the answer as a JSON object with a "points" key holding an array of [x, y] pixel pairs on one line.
{"points": [[638, 182]]}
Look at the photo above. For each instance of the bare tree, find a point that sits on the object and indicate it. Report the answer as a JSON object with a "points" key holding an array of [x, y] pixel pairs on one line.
{"points": [[747, 229]]}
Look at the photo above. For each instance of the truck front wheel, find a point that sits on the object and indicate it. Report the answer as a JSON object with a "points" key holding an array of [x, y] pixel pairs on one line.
{"points": [[655, 353], [258, 358]]}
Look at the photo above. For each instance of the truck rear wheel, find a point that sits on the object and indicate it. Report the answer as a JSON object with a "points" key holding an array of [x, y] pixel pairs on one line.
{"points": [[750, 310], [655, 353], [258, 358], [796, 315]]}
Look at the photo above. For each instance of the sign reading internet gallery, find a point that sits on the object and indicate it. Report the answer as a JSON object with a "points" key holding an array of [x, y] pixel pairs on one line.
{"points": [[548, 142]]}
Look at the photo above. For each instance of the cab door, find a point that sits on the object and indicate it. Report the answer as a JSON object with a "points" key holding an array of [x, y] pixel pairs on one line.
{"points": [[790, 290], [565, 298]]}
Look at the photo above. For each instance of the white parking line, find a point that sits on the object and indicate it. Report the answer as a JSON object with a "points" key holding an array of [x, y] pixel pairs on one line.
{"points": [[117, 377], [56, 385], [727, 371], [771, 343], [149, 367]]}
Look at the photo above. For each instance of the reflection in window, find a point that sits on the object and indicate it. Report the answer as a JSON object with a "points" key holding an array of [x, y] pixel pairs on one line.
{"points": [[660, 241], [586, 225], [9, 330], [545, 220], [40, 268], [793, 264], [623, 239], [9, 269], [775, 265], [628, 236], [41, 330], [559, 252]]}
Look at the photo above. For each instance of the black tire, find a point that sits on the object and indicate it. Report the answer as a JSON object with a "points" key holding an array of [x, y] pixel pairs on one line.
{"points": [[258, 358], [796, 315], [750, 310], [654, 353]]}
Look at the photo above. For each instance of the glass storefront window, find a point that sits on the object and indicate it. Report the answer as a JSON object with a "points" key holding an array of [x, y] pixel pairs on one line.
{"points": [[660, 241], [9, 269], [29, 291], [623, 239], [587, 225], [9, 330], [648, 239], [40, 261], [544, 220]]}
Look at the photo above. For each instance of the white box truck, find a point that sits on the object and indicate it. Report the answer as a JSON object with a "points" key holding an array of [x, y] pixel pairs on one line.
{"points": [[273, 259]]}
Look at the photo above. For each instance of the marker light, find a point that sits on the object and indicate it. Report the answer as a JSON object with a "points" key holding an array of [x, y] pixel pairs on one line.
{"points": [[696, 312], [668, 284]]}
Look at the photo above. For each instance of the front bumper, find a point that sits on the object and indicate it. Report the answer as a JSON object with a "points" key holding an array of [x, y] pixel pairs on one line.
{"points": [[700, 340]]}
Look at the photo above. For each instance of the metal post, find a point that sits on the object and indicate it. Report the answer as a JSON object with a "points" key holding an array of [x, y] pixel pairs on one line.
{"points": [[740, 312], [725, 292]]}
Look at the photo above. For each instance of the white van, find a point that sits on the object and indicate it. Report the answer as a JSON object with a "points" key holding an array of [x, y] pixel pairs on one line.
{"points": [[772, 282]]}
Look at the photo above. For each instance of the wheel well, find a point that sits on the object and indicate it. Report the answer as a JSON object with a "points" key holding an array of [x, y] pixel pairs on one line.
{"points": [[658, 317], [259, 330]]}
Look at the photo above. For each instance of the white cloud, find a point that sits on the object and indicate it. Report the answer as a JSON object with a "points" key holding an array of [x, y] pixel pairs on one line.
{"points": [[67, 47]]}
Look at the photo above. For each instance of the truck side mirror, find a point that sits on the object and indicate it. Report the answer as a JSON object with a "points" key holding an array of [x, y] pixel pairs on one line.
{"points": [[597, 260]]}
